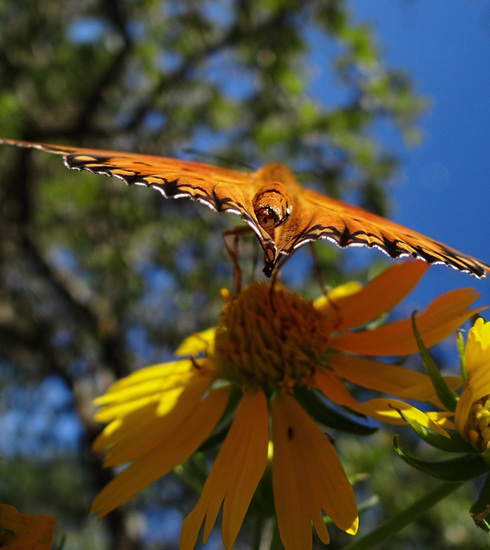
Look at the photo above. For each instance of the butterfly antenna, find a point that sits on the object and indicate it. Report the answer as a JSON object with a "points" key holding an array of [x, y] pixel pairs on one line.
{"points": [[275, 276], [232, 250], [255, 261]]}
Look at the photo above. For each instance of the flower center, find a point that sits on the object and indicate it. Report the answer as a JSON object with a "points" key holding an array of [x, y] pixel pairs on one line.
{"points": [[268, 337], [478, 425]]}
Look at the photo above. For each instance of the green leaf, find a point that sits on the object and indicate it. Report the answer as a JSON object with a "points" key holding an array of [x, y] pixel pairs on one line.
{"points": [[447, 397], [462, 355], [462, 468], [320, 411], [480, 511], [453, 444], [216, 438]]}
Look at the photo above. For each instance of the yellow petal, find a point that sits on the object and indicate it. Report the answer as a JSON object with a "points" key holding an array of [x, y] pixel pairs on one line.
{"points": [[383, 409], [477, 353], [149, 395], [480, 382], [477, 386], [346, 289], [425, 391], [200, 342], [307, 477], [168, 374], [289, 492], [442, 418], [375, 375], [388, 411], [177, 448], [235, 474], [332, 388], [388, 378], [138, 433], [442, 317], [25, 532], [463, 409], [155, 396], [380, 295], [150, 380]]}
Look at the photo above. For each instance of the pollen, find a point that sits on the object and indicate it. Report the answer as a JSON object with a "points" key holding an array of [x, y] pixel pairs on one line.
{"points": [[269, 337], [478, 425]]}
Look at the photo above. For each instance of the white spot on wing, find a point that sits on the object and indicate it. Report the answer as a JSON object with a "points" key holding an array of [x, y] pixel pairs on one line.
{"points": [[209, 204], [401, 255]]}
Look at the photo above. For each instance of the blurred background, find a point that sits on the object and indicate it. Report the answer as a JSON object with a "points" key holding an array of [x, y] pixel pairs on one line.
{"points": [[381, 104]]}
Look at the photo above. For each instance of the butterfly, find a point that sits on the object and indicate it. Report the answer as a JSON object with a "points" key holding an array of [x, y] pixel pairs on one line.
{"points": [[279, 210]]}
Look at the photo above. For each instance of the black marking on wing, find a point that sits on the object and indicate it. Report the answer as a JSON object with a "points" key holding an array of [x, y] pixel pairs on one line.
{"points": [[426, 255], [103, 165], [99, 162], [218, 202], [392, 248], [132, 179], [170, 188], [345, 237]]}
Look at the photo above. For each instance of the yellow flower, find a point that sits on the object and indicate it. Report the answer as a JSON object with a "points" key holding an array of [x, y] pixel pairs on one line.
{"points": [[270, 342], [472, 412], [472, 415], [24, 532]]}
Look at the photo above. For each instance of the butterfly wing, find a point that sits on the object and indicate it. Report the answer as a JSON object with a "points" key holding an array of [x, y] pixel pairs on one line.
{"points": [[313, 216], [221, 189], [321, 217]]}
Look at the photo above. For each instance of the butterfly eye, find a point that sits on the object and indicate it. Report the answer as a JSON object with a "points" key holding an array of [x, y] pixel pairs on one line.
{"points": [[272, 206], [268, 216]]}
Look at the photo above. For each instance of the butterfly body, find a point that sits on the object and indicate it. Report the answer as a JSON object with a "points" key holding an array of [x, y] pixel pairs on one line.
{"points": [[282, 213]]}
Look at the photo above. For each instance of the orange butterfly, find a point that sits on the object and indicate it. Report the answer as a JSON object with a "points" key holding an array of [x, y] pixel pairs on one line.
{"points": [[283, 214]]}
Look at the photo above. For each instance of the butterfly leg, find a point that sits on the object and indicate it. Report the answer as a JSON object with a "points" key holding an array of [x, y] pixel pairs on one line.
{"points": [[233, 253], [275, 276]]}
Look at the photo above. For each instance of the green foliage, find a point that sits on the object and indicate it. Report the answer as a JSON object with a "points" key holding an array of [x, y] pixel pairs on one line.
{"points": [[448, 398], [325, 415], [462, 468], [446, 526]]}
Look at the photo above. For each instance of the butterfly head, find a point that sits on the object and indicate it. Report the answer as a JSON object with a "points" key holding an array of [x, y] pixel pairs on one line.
{"points": [[272, 206]]}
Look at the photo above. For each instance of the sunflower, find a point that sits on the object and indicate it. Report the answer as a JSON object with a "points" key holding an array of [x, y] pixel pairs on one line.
{"points": [[22, 531], [472, 414], [464, 406], [271, 348]]}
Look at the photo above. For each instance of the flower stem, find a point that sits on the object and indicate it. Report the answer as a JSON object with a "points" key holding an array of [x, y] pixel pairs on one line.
{"points": [[257, 532], [276, 539], [395, 524]]}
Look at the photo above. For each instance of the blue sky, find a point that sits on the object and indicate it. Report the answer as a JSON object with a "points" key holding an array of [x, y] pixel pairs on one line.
{"points": [[443, 186]]}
